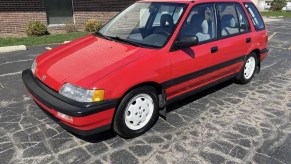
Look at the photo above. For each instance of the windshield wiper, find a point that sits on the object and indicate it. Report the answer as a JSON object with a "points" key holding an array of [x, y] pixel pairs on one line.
{"points": [[125, 41], [102, 35]]}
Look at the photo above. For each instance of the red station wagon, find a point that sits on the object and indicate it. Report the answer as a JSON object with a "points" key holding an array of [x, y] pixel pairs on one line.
{"points": [[150, 55]]}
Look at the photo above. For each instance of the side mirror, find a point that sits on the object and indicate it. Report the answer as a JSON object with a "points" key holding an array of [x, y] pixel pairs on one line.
{"points": [[186, 42]]}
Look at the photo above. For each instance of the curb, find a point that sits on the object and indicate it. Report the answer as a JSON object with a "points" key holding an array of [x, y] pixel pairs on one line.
{"points": [[275, 17], [13, 48]]}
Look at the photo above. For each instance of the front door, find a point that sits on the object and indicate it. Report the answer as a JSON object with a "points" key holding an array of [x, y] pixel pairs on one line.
{"points": [[193, 67]]}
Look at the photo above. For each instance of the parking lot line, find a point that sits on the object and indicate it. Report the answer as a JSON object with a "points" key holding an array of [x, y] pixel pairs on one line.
{"points": [[18, 61], [270, 37], [11, 74]]}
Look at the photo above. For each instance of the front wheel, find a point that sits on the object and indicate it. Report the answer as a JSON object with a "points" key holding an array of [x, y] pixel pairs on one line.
{"points": [[137, 112], [248, 70]]}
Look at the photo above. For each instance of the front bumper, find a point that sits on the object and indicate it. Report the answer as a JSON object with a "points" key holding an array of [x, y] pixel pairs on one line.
{"points": [[86, 118]]}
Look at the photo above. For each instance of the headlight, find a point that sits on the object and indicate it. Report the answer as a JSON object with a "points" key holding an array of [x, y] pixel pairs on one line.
{"points": [[33, 66], [80, 94]]}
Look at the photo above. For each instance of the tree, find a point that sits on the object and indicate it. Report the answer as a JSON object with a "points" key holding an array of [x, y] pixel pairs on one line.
{"points": [[277, 5]]}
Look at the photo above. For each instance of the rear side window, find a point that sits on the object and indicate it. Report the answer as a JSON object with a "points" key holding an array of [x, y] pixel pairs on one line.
{"points": [[255, 16]]}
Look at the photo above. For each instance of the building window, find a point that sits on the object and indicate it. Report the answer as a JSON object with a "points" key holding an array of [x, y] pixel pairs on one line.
{"points": [[58, 11]]}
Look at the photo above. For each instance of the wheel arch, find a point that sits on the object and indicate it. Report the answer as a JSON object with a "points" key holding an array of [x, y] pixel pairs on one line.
{"points": [[258, 52], [158, 87]]}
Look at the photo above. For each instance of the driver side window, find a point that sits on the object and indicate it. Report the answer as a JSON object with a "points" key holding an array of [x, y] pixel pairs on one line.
{"points": [[201, 23]]}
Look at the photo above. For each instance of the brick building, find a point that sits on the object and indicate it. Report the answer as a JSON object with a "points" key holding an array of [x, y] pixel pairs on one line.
{"points": [[14, 14]]}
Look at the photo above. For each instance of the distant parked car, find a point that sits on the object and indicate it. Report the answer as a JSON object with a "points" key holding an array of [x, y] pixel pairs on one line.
{"points": [[267, 5], [288, 6]]}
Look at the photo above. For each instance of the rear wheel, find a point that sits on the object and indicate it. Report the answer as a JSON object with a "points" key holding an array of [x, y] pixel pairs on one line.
{"points": [[248, 70], [137, 112]]}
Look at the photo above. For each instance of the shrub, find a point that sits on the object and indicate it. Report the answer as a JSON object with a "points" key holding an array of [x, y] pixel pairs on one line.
{"points": [[93, 25], [277, 5], [36, 28], [70, 26]]}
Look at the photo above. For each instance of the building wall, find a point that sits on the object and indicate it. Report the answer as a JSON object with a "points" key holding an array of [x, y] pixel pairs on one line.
{"points": [[260, 4], [15, 14], [103, 10]]}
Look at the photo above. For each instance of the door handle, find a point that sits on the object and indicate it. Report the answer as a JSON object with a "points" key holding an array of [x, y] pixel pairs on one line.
{"points": [[214, 49], [248, 40]]}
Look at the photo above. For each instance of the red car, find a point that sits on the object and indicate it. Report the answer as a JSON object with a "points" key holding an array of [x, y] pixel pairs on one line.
{"points": [[150, 55]]}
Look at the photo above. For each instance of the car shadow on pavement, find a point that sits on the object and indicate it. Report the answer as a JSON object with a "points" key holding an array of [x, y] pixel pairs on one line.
{"points": [[95, 138]]}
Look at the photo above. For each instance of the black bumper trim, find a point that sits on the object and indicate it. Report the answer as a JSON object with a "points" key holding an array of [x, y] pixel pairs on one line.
{"points": [[53, 100], [265, 50]]}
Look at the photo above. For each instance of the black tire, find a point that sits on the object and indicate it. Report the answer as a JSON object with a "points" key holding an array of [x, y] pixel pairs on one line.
{"points": [[119, 124], [241, 79]]}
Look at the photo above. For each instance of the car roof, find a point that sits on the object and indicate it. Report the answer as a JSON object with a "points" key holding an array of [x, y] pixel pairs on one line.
{"points": [[192, 1]]}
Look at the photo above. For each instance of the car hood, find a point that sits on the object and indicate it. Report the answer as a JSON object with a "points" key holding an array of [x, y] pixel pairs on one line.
{"points": [[84, 61]]}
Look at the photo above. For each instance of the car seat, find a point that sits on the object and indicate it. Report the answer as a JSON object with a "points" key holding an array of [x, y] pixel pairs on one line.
{"points": [[228, 25]]}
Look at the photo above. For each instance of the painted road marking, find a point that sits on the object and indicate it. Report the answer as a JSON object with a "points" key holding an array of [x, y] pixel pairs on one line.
{"points": [[11, 74], [18, 61], [48, 48], [270, 37], [281, 48]]}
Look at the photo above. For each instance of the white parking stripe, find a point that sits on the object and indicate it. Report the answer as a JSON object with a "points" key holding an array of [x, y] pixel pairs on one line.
{"points": [[11, 74], [270, 37], [18, 61]]}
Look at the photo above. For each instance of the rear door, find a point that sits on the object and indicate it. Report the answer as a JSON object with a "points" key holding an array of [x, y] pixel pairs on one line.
{"points": [[234, 31]]}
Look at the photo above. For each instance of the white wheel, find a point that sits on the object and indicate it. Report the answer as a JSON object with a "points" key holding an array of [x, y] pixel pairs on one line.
{"points": [[139, 111], [250, 67]]}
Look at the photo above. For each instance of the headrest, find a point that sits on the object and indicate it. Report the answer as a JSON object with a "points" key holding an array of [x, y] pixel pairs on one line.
{"points": [[204, 27], [199, 24], [167, 20], [228, 20], [196, 18]]}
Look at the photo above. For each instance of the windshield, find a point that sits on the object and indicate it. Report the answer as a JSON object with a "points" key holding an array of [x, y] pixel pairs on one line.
{"points": [[146, 24]]}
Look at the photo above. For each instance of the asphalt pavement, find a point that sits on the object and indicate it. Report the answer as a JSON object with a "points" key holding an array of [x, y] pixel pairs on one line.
{"points": [[229, 123]]}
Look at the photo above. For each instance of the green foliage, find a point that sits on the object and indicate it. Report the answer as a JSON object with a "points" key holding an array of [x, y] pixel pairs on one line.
{"points": [[276, 14], [277, 5], [41, 40], [70, 26], [36, 28], [93, 25]]}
